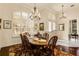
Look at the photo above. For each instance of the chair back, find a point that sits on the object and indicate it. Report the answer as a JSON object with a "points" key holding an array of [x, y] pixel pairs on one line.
{"points": [[73, 36], [38, 35], [46, 36], [25, 41], [52, 42]]}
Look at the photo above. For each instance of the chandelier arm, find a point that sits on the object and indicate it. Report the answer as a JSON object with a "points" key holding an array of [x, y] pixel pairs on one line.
{"points": [[62, 10]]}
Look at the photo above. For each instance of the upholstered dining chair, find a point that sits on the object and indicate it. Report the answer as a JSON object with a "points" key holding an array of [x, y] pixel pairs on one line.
{"points": [[52, 43], [38, 35], [73, 36], [46, 36], [51, 46], [26, 46]]}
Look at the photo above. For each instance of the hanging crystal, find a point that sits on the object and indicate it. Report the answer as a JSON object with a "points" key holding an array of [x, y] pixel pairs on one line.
{"points": [[62, 17]]}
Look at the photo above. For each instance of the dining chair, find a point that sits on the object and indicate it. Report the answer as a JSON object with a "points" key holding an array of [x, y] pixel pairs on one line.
{"points": [[38, 35], [73, 36], [46, 36], [51, 46], [26, 46], [52, 43]]}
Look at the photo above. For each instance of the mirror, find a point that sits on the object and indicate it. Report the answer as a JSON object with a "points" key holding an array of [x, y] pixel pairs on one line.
{"points": [[61, 27]]}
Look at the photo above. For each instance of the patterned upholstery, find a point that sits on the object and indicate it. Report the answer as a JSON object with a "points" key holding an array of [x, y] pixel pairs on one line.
{"points": [[46, 36], [52, 44], [26, 46]]}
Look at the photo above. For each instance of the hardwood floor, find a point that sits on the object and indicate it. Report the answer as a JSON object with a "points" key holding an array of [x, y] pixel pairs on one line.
{"points": [[15, 50]]}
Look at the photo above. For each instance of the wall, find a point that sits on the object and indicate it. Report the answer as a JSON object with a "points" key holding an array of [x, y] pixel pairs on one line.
{"points": [[63, 34], [70, 13], [6, 34], [6, 13]]}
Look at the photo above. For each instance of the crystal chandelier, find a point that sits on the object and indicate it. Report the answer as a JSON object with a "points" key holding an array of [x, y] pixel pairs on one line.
{"points": [[62, 17], [35, 14]]}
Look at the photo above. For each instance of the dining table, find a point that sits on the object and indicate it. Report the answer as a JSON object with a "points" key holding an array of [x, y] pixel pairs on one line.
{"points": [[38, 45], [38, 41]]}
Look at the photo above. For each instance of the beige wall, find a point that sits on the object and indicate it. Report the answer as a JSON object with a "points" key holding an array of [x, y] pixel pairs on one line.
{"points": [[71, 13], [6, 13], [5, 34]]}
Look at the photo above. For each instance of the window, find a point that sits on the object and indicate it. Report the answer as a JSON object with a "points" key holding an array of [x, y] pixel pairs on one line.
{"points": [[24, 15], [16, 14], [73, 26], [54, 26], [51, 26], [19, 22], [22, 22], [20, 15]]}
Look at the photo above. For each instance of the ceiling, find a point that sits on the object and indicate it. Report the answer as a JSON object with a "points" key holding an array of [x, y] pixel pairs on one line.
{"points": [[51, 6], [45, 9], [56, 7]]}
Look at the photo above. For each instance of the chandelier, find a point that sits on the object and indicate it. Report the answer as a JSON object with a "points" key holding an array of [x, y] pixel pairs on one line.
{"points": [[35, 14], [62, 16]]}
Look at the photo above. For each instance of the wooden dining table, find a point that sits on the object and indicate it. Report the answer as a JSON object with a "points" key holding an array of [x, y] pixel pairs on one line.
{"points": [[38, 45], [37, 41]]}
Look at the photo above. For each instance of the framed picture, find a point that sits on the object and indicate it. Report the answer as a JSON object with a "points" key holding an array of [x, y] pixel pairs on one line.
{"points": [[61, 27], [41, 26], [0, 20], [7, 24], [0, 26]]}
